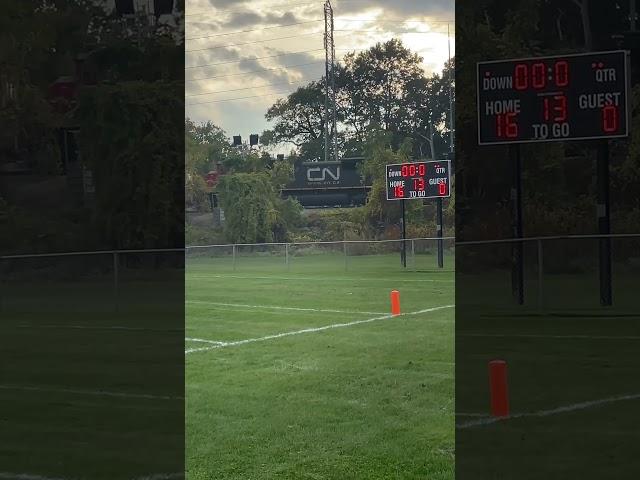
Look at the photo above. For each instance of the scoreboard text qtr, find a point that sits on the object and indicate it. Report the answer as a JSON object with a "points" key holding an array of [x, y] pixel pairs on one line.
{"points": [[418, 180], [569, 97]]}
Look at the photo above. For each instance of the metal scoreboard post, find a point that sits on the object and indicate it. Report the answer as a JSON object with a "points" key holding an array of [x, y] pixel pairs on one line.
{"points": [[558, 98], [418, 180]]}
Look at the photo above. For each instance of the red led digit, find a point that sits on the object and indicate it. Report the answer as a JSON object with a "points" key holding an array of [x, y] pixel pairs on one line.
{"points": [[442, 189], [520, 77], [610, 118], [399, 192], [418, 184], [562, 73], [546, 108], [422, 169], [404, 170], [511, 125], [506, 126], [539, 77], [560, 108], [412, 170]]}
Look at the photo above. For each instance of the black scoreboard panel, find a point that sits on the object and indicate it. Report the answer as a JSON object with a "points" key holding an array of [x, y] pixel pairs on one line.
{"points": [[406, 181], [568, 97]]}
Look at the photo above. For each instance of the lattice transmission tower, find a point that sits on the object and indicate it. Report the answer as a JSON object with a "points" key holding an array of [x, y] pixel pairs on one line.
{"points": [[330, 148]]}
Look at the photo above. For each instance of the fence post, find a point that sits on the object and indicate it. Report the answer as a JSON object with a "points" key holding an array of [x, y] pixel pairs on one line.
{"points": [[346, 256], [115, 281], [413, 254], [233, 249], [286, 255], [540, 273]]}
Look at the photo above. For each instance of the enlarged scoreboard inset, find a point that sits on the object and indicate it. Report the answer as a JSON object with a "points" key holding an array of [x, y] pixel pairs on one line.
{"points": [[406, 181], [568, 97]]}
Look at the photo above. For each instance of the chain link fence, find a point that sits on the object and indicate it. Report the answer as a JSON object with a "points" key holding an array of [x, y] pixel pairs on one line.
{"points": [[103, 281], [312, 257], [559, 272]]}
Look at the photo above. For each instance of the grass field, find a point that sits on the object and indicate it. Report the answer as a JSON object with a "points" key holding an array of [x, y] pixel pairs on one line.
{"points": [[572, 373], [87, 392], [370, 400]]}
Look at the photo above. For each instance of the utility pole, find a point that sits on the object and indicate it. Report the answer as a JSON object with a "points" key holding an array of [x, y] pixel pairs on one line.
{"points": [[450, 94]]}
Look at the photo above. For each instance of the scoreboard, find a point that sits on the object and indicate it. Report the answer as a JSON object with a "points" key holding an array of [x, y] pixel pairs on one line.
{"points": [[406, 181], [566, 97]]}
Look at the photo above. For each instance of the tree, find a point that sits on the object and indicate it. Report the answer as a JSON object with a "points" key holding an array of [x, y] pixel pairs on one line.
{"points": [[135, 164], [384, 86], [300, 120], [254, 211]]}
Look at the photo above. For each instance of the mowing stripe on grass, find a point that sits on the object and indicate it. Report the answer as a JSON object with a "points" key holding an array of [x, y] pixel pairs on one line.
{"points": [[25, 476], [563, 337], [30, 388], [545, 413], [162, 476], [274, 307], [333, 279], [312, 330], [98, 327], [29, 476]]}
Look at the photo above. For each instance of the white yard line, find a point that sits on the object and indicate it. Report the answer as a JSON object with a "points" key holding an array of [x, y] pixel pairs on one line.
{"points": [[575, 337], [312, 330], [101, 393], [545, 413], [348, 279], [272, 307], [202, 340]]}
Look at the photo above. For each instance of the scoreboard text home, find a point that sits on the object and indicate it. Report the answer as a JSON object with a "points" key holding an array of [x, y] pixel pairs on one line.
{"points": [[417, 180], [558, 98]]}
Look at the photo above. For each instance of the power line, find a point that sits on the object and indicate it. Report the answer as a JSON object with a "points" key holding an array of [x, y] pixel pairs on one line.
{"points": [[217, 11], [254, 58], [255, 41], [215, 47], [391, 20], [247, 88], [253, 71], [253, 30], [237, 98]]}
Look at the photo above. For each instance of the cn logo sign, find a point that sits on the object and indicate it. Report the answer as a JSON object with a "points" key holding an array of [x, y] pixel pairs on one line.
{"points": [[320, 174]]}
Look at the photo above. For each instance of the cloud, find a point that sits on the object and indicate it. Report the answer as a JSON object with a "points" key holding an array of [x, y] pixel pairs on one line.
{"points": [[364, 23], [444, 9], [256, 20]]}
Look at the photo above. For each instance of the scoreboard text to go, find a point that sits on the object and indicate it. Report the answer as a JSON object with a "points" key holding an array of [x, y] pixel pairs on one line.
{"points": [[569, 97], [418, 180]]}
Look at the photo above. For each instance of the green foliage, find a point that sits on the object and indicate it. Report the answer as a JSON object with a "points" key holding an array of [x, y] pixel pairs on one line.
{"points": [[200, 235], [254, 212], [134, 163]]}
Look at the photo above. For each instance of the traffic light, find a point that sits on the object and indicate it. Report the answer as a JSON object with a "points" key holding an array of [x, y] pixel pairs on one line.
{"points": [[253, 139], [237, 141]]}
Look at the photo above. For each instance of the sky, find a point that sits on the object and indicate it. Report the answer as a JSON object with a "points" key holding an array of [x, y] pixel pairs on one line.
{"points": [[242, 55]]}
